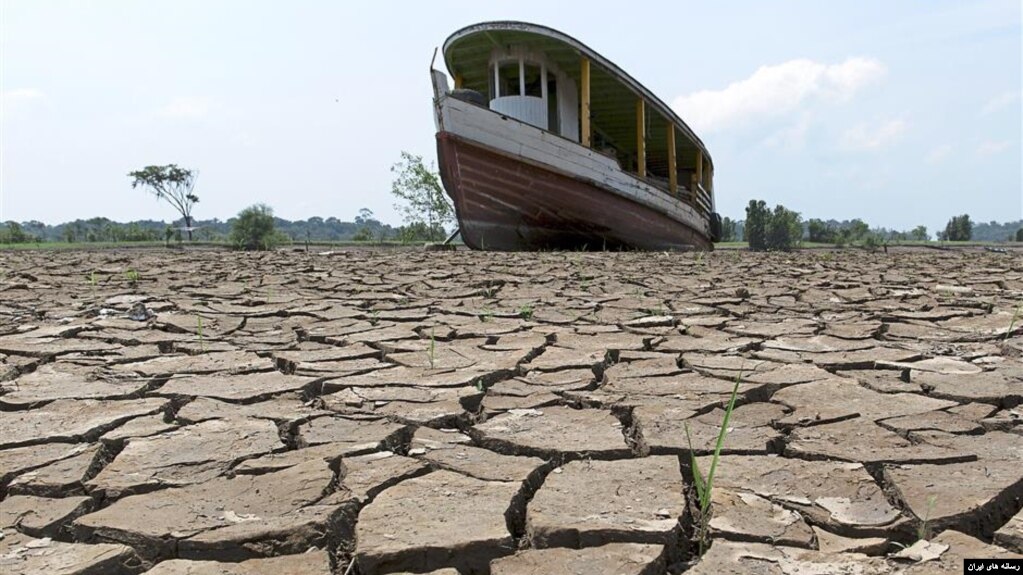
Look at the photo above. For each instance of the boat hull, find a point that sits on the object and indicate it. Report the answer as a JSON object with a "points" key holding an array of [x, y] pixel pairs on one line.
{"points": [[508, 203]]}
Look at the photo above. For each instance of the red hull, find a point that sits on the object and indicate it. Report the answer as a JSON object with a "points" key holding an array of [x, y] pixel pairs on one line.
{"points": [[508, 204]]}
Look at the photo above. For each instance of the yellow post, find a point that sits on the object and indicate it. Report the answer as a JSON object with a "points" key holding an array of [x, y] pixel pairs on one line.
{"points": [[699, 168], [640, 138], [584, 104], [672, 168], [459, 81]]}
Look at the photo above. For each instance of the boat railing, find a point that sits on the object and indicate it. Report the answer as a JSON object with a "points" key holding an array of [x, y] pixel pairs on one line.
{"points": [[703, 200]]}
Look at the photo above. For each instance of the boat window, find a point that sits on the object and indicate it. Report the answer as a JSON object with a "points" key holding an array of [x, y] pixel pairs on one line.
{"points": [[533, 81], [508, 76]]}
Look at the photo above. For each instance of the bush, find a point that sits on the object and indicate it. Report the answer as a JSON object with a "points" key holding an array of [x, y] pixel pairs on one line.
{"points": [[781, 230], [253, 230], [784, 230], [1019, 235], [421, 232]]}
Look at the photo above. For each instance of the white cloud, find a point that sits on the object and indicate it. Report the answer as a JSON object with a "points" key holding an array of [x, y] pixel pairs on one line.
{"points": [[864, 137], [938, 154], [777, 91], [1000, 101], [186, 109], [990, 148]]}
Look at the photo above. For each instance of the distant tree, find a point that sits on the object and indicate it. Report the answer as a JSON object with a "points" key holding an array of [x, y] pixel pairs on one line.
{"points": [[253, 229], [12, 233], [919, 234], [172, 184], [784, 229], [365, 216], [728, 230], [858, 229], [1019, 235], [959, 229], [419, 232], [820, 231], [757, 219], [423, 200]]}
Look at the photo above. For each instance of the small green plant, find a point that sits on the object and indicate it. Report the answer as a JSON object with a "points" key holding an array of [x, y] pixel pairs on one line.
{"points": [[198, 331], [1012, 322], [526, 312], [705, 485], [93, 278], [374, 317], [923, 531], [487, 315], [132, 276], [432, 352]]}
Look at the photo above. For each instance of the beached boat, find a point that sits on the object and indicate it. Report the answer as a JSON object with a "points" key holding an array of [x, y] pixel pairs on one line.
{"points": [[545, 144]]}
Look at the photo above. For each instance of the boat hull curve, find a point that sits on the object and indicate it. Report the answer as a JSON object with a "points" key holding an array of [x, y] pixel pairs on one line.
{"points": [[508, 204]]}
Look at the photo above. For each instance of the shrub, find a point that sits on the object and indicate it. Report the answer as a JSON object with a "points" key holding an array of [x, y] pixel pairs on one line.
{"points": [[1019, 235], [253, 230], [784, 230]]}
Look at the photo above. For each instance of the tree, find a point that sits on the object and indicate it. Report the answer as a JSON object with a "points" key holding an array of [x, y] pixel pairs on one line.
{"points": [[959, 229], [172, 184], [919, 234], [819, 231], [728, 229], [365, 216], [253, 230], [424, 201], [784, 229], [1019, 235], [757, 218]]}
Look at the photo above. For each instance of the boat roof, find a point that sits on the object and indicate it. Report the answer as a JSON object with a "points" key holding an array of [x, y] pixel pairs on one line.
{"points": [[467, 54]]}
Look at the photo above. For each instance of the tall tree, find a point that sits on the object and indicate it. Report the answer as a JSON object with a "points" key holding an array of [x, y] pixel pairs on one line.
{"points": [[172, 184], [959, 229], [757, 219], [425, 205]]}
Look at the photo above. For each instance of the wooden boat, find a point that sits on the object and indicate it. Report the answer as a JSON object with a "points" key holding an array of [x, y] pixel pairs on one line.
{"points": [[545, 144]]}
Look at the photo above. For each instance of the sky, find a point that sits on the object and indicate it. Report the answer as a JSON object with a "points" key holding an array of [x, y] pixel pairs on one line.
{"points": [[899, 112]]}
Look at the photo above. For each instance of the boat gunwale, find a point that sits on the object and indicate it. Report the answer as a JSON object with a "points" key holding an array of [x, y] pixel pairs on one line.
{"points": [[541, 30]]}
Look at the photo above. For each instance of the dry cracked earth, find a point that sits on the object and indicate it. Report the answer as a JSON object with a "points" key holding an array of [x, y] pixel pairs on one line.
{"points": [[364, 412]]}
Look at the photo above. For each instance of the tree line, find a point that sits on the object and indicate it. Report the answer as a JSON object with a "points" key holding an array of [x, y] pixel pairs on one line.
{"points": [[426, 210], [782, 229]]}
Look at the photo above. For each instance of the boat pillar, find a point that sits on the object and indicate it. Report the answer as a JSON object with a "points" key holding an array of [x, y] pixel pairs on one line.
{"points": [[641, 138], [699, 167], [672, 165], [584, 102], [459, 81]]}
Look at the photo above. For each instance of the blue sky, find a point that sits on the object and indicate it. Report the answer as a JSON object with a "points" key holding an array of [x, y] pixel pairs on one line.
{"points": [[898, 112]]}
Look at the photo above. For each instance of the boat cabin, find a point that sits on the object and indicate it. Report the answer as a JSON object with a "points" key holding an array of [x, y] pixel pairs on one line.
{"points": [[541, 77]]}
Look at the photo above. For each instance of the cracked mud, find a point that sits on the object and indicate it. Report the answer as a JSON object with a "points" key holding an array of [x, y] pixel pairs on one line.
{"points": [[373, 412]]}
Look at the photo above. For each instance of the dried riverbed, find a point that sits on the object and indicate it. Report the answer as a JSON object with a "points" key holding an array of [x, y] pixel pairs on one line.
{"points": [[452, 412]]}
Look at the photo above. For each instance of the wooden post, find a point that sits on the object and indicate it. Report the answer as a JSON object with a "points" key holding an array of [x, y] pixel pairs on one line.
{"points": [[699, 169], [672, 167], [640, 138], [459, 81], [584, 103]]}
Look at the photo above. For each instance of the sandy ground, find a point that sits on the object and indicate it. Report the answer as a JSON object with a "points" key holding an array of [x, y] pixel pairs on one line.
{"points": [[207, 412]]}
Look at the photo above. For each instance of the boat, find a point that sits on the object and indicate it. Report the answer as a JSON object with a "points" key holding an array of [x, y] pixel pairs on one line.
{"points": [[544, 144]]}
